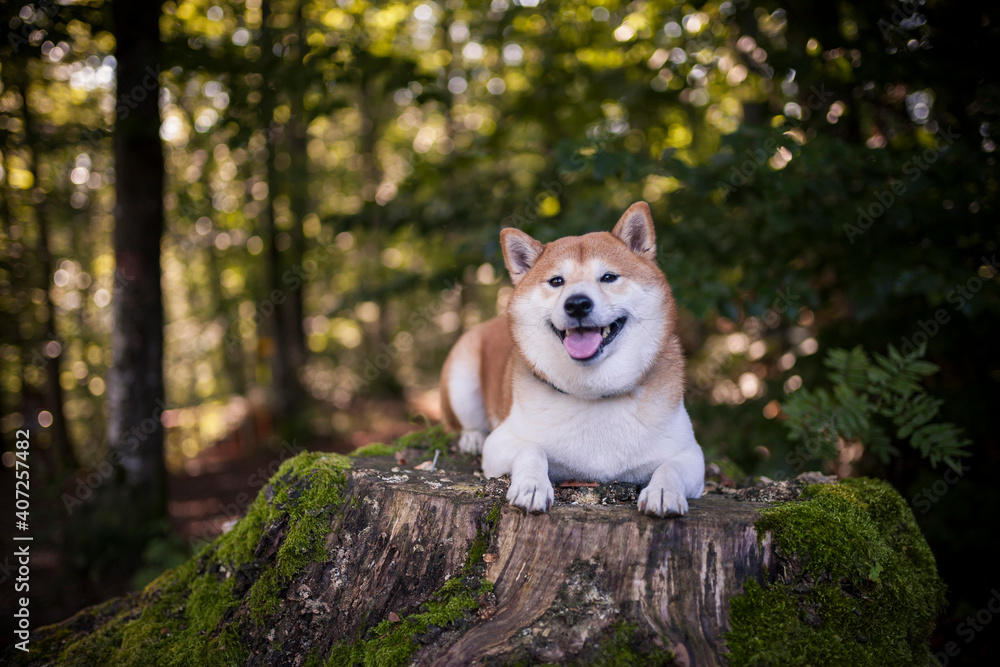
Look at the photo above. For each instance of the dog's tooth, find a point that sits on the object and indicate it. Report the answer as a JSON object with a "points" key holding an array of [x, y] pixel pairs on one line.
{"points": [[605, 332]]}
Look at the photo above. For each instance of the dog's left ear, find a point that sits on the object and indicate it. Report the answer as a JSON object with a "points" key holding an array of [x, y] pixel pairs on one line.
{"points": [[635, 229]]}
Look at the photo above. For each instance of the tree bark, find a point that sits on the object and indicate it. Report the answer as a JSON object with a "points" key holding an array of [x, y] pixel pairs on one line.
{"points": [[564, 584], [135, 386], [287, 281], [562, 580]]}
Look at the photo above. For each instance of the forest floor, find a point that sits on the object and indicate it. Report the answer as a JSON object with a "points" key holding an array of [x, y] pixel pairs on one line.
{"points": [[215, 487]]}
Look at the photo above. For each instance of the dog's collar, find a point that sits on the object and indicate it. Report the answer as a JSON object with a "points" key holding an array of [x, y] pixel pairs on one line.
{"points": [[552, 386], [544, 381]]}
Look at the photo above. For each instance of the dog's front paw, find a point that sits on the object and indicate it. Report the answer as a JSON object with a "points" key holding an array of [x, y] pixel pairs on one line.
{"points": [[531, 495], [471, 442], [662, 500]]}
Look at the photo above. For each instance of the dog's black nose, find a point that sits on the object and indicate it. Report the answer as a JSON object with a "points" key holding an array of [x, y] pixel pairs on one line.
{"points": [[579, 306]]}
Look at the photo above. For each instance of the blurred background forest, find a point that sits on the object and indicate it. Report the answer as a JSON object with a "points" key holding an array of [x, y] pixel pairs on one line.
{"points": [[334, 177]]}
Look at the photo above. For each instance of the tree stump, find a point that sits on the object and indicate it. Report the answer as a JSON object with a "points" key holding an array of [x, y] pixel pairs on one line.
{"points": [[561, 580], [370, 561]]}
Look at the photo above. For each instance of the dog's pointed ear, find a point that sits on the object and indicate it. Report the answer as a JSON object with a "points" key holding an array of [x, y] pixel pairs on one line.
{"points": [[520, 252], [635, 229]]}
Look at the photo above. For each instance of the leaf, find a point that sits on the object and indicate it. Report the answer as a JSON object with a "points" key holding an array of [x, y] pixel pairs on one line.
{"points": [[863, 391]]}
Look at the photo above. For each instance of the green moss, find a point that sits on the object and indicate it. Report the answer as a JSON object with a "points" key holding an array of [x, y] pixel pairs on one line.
{"points": [[625, 647], [64, 641], [265, 598], [175, 622], [623, 644], [390, 644], [484, 536], [857, 583], [429, 439], [314, 659], [426, 445], [376, 449], [186, 616], [305, 507], [434, 437]]}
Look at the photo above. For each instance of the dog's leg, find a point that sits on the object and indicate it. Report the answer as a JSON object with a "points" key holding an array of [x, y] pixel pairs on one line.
{"points": [[465, 395], [677, 479], [530, 488], [471, 441]]}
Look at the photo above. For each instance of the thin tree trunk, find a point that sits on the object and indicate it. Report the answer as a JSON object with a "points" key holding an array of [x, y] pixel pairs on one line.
{"points": [[61, 445], [5, 222], [284, 372], [299, 194], [370, 93], [135, 387]]}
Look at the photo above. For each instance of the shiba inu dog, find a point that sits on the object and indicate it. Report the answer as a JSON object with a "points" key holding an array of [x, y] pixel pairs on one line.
{"points": [[584, 377]]}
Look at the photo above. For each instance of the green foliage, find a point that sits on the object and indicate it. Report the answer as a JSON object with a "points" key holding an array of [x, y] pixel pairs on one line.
{"points": [[586, 124], [856, 583], [867, 395]]}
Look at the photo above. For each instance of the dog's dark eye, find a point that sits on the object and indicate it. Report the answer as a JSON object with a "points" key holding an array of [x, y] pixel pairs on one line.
{"points": [[609, 277], [557, 281]]}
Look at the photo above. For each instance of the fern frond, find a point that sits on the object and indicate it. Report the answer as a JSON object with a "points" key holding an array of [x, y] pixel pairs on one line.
{"points": [[849, 368], [940, 442], [908, 414], [864, 389]]}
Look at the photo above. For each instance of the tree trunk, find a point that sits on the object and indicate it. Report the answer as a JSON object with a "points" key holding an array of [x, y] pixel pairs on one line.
{"points": [[374, 561], [298, 149], [564, 584], [284, 281], [62, 447], [135, 385]]}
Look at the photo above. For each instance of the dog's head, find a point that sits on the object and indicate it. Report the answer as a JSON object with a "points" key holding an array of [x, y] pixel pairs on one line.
{"points": [[590, 313]]}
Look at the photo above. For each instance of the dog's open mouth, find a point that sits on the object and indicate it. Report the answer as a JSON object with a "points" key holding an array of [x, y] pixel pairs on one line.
{"points": [[584, 343]]}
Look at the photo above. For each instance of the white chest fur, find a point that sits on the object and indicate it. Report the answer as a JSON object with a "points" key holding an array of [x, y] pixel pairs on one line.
{"points": [[622, 438]]}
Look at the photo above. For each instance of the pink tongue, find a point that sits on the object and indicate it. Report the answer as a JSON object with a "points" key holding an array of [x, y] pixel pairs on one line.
{"points": [[582, 343]]}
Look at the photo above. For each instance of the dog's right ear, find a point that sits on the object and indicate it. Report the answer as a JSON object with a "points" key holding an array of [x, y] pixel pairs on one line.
{"points": [[520, 252]]}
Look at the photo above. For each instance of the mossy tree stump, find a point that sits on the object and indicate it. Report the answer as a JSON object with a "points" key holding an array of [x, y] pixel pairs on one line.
{"points": [[369, 561]]}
